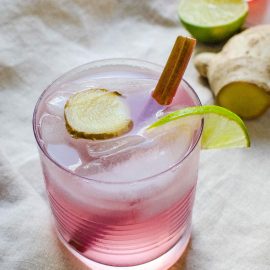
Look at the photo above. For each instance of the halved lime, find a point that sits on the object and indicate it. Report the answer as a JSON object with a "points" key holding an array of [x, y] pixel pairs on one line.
{"points": [[222, 128], [212, 20]]}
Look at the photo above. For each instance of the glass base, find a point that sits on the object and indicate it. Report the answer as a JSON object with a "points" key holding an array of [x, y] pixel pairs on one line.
{"points": [[164, 262]]}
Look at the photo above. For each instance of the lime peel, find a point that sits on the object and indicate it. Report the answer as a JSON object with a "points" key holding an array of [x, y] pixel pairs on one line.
{"points": [[222, 128], [212, 20]]}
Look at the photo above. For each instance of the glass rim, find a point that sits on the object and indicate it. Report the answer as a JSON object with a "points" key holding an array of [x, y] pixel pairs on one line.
{"points": [[88, 179]]}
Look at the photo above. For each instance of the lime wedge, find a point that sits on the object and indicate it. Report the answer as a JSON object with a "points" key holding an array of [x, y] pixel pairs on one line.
{"points": [[212, 20], [222, 128]]}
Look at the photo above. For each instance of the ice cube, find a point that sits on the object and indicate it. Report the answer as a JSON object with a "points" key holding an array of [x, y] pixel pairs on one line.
{"points": [[57, 142], [104, 155], [56, 103], [90, 168], [64, 155], [53, 130], [170, 109], [175, 138], [161, 149], [105, 148]]}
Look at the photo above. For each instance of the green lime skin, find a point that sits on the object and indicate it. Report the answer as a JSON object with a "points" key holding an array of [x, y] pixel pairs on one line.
{"points": [[214, 34]]}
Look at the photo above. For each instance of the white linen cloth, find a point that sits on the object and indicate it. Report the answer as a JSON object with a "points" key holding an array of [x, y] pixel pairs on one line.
{"points": [[39, 41]]}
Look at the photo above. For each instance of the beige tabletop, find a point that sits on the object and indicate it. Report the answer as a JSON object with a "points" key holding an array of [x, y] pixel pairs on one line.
{"points": [[40, 40]]}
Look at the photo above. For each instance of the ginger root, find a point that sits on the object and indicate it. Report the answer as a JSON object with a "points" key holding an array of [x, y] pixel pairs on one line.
{"points": [[239, 75]]}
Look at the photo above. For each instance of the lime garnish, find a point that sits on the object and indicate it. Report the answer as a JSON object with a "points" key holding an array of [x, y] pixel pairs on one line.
{"points": [[212, 20], [97, 114], [222, 128]]}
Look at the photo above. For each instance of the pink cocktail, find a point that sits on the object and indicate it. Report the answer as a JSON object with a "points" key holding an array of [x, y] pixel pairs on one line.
{"points": [[122, 203]]}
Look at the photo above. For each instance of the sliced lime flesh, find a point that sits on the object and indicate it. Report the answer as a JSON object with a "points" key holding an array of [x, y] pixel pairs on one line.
{"points": [[222, 128], [212, 20]]}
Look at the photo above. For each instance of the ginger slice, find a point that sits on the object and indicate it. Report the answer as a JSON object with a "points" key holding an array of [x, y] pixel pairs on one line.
{"points": [[97, 114], [174, 70]]}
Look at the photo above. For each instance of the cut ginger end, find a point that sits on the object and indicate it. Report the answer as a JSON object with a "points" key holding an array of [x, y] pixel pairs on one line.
{"points": [[245, 99]]}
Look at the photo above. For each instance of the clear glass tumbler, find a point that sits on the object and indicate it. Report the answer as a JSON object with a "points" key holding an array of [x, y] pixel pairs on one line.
{"points": [[141, 220]]}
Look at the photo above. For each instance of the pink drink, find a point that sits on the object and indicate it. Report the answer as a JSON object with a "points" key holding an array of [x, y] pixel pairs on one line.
{"points": [[123, 203]]}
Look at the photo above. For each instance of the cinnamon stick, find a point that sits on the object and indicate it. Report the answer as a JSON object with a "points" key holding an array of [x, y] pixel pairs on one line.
{"points": [[174, 70]]}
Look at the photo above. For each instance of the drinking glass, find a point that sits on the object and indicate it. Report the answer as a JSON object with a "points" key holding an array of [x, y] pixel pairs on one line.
{"points": [[141, 220]]}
